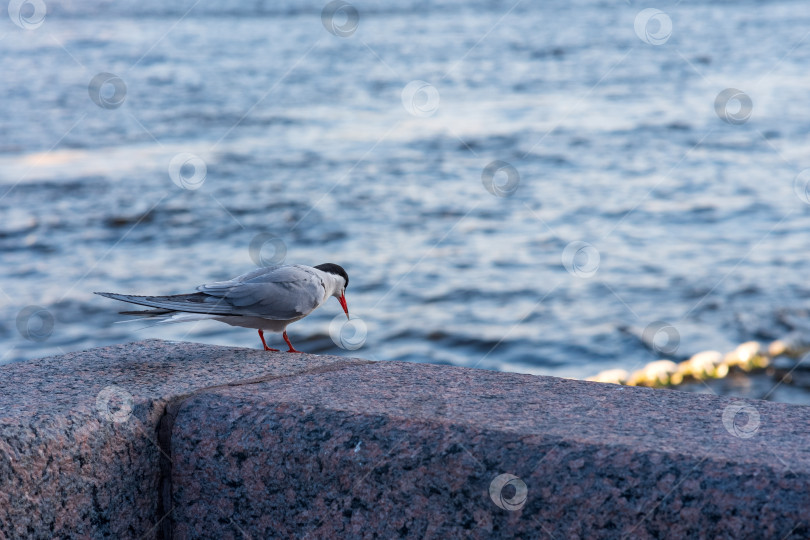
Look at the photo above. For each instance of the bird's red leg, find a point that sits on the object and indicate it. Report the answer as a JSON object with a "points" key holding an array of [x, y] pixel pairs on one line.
{"points": [[266, 348], [292, 349]]}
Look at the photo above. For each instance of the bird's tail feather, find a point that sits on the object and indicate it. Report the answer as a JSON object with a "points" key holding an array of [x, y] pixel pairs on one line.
{"points": [[169, 318], [147, 312], [179, 317]]}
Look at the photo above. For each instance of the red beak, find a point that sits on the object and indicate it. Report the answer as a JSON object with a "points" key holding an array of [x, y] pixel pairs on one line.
{"points": [[342, 301]]}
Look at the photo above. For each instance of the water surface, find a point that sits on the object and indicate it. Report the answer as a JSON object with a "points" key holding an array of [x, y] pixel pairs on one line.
{"points": [[305, 137]]}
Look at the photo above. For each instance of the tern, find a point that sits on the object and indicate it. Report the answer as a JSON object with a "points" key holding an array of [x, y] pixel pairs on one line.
{"points": [[266, 299]]}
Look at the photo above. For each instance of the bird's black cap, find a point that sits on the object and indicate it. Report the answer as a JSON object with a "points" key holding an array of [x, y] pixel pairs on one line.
{"points": [[334, 269]]}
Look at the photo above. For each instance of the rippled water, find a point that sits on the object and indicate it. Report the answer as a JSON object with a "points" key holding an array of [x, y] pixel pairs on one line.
{"points": [[305, 137]]}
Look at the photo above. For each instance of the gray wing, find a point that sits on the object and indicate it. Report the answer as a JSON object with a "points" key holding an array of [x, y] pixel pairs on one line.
{"points": [[277, 293]]}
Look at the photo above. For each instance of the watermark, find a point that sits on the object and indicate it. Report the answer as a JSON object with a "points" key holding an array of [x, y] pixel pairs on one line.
{"points": [[267, 250], [581, 259], [340, 18], [35, 323], [420, 98], [188, 171], [107, 90], [741, 420], [27, 14], [114, 404], [661, 337], [733, 106], [508, 491], [653, 26], [801, 186], [500, 178], [348, 334]]}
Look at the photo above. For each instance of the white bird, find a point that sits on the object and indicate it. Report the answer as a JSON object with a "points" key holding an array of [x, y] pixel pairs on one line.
{"points": [[268, 299]]}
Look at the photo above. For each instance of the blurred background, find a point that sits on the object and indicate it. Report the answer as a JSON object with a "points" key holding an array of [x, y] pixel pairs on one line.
{"points": [[516, 186]]}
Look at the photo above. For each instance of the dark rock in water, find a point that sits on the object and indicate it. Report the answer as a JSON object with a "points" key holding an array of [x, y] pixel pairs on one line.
{"points": [[122, 221]]}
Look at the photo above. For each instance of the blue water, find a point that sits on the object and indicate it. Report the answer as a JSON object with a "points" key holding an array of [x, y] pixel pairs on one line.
{"points": [[305, 137]]}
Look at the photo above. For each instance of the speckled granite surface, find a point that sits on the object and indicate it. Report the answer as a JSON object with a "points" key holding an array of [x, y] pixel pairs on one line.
{"points": [[79, 452], [406, 450], [157, 440]]}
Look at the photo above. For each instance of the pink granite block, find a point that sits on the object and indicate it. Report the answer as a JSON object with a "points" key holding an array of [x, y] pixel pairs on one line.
{"points": [[168, 440], [80, 455], [390, 450]]}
